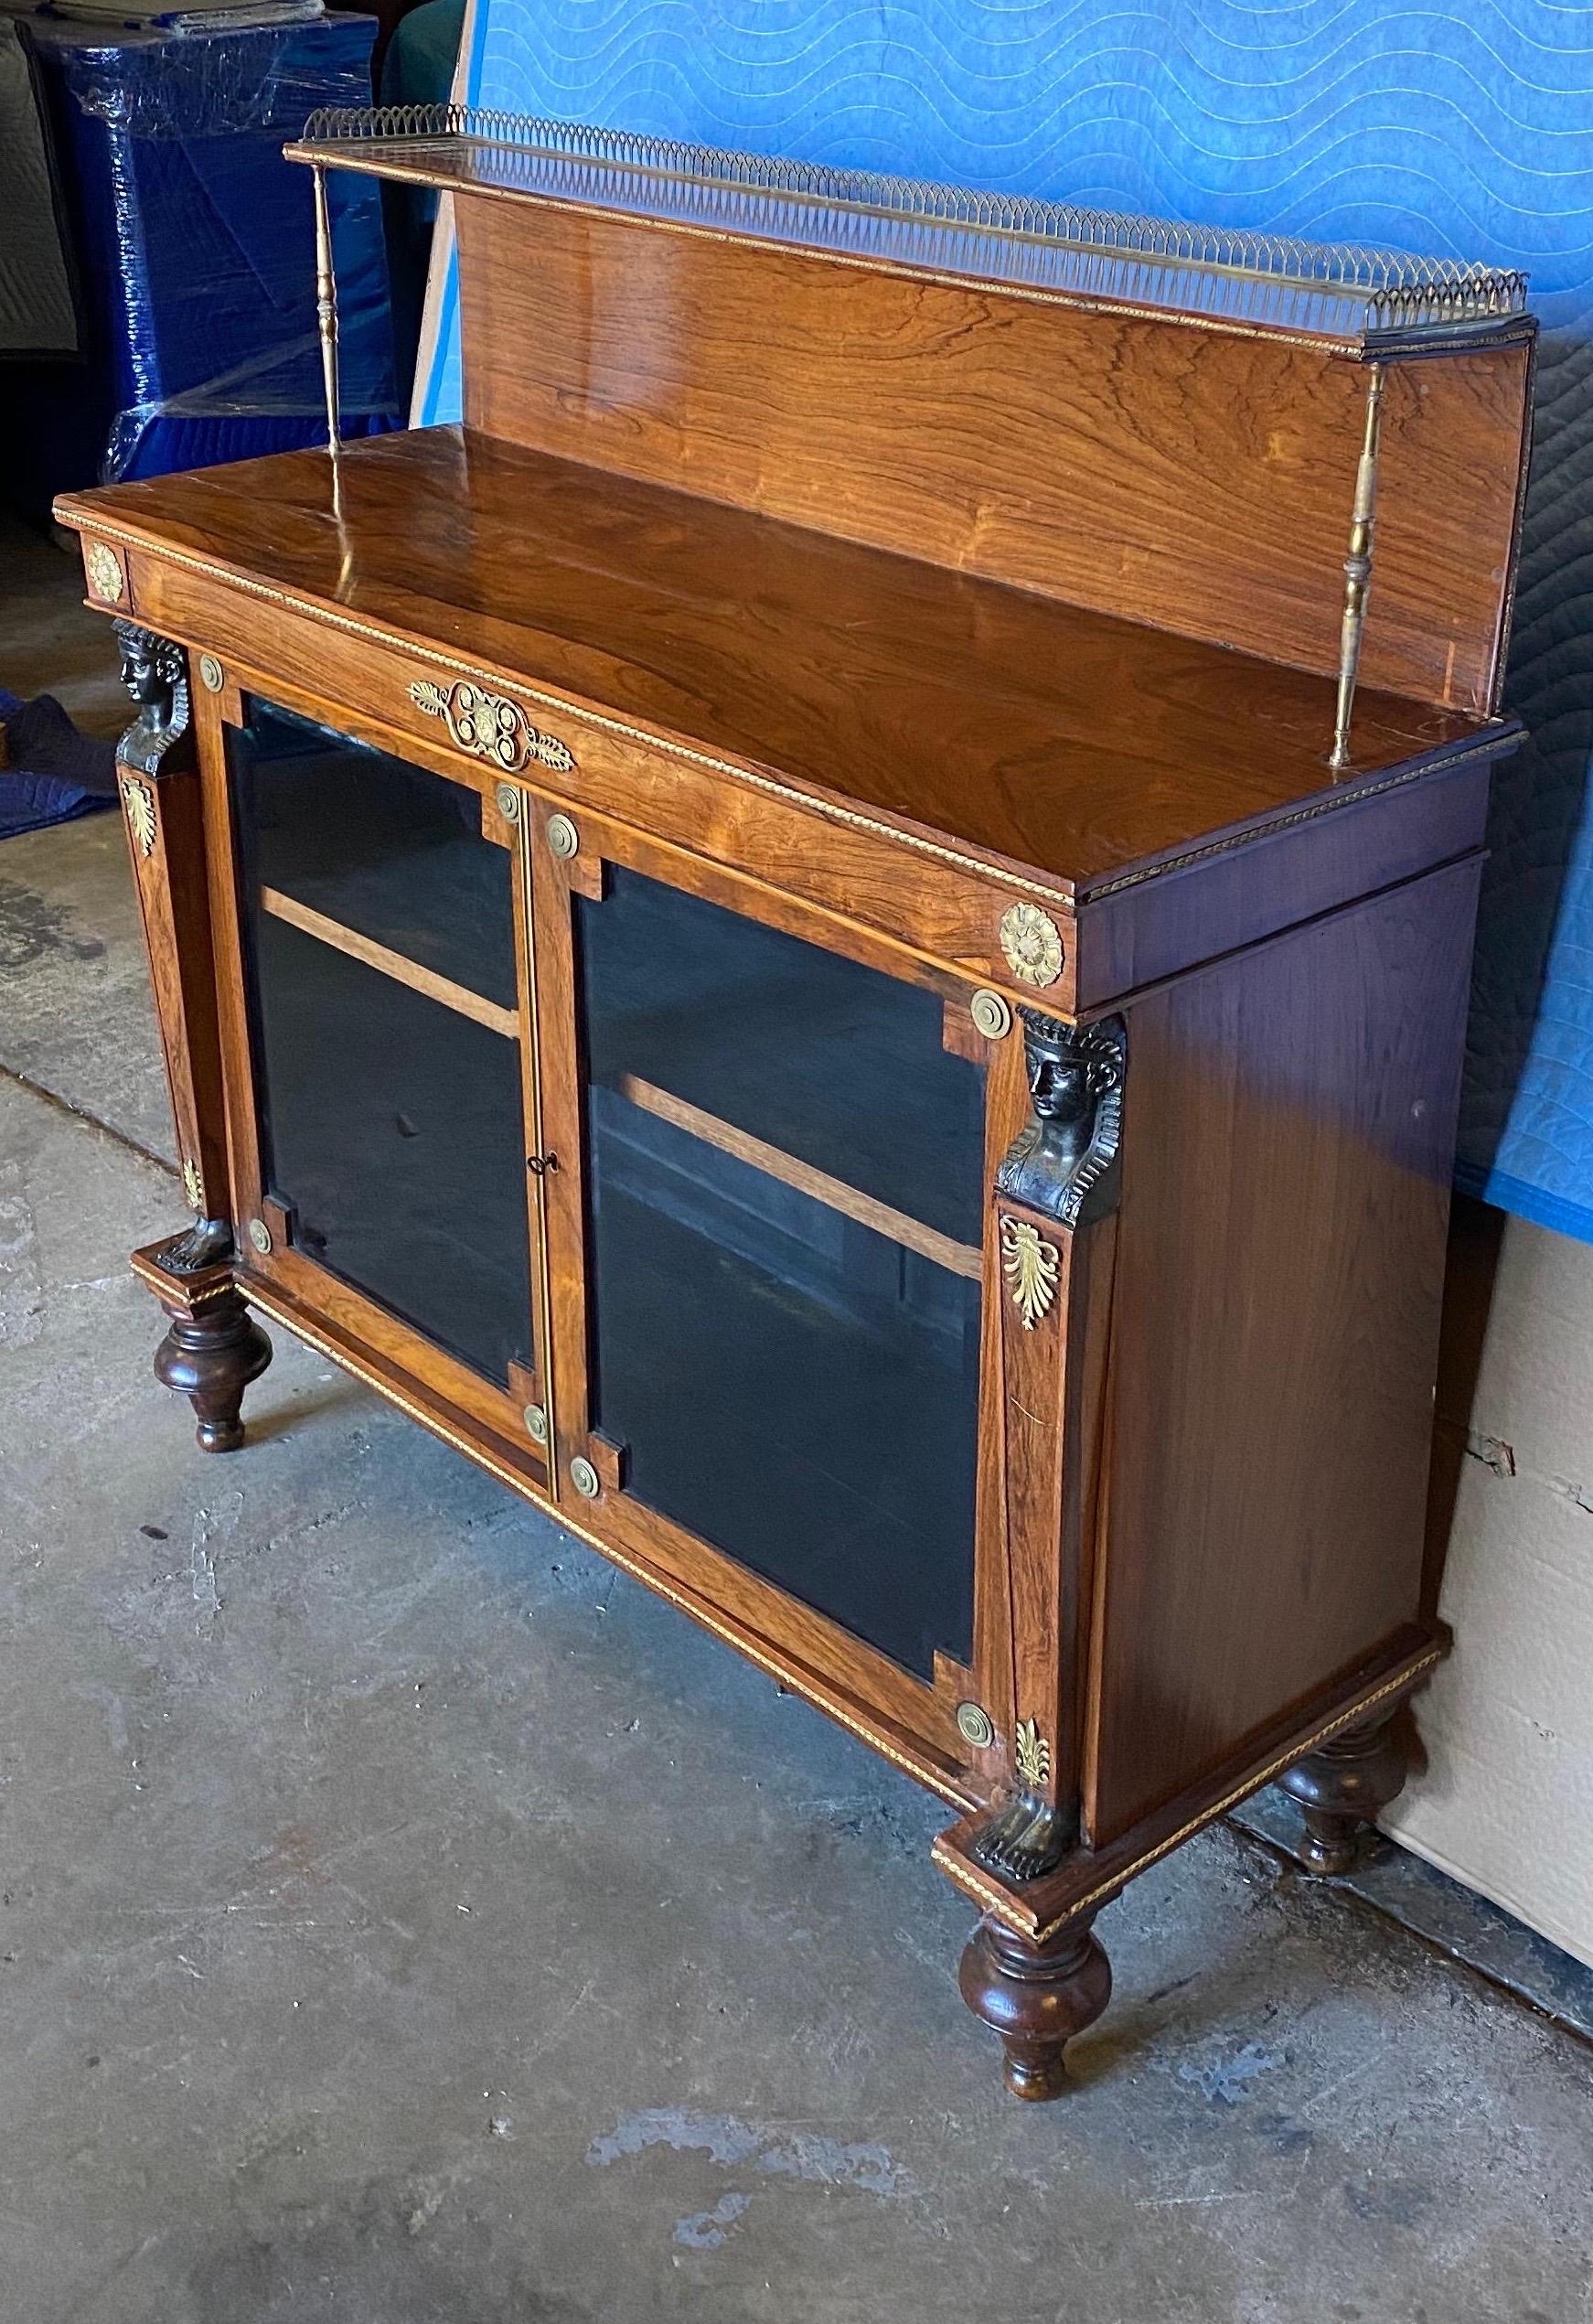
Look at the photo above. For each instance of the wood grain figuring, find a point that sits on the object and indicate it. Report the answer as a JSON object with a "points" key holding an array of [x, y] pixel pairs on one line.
{"points": [[390, 964], [1450, 479], [872, 604], [171, 883], [784, 845], [1043, 446], [786, 855], [1091, 1876], [550, 894], [1288, 1129], [996, 1632], [1033, 1384], [1045, 739], [534, 1129], [236, 1092], [961, 1258]]}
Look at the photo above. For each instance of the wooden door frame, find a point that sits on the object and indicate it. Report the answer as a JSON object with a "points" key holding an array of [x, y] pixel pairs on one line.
{"points": [[927, 1710], [296, 1279]]}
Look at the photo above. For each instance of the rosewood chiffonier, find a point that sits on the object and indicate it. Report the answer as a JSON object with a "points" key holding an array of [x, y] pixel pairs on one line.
{"points": [[835, 938]]}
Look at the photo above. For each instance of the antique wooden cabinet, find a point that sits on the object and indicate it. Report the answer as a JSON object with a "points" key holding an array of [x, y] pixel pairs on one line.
{"points": [[835, 938]]}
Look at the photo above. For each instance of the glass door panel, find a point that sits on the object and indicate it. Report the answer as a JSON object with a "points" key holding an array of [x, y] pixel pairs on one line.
{"points": [[784, 1175], [380, 935]]}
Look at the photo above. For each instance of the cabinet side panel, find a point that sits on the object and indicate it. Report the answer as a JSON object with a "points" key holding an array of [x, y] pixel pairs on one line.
{"points": [[1286, 1147], [1194, 479]]}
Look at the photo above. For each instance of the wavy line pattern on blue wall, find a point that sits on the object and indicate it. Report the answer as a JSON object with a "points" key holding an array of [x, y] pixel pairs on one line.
{"points": [[1465, 131]]}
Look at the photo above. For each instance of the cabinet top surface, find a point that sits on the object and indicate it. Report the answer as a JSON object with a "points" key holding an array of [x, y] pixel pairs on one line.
{"points": [[1351, 295], [1057, 740]]}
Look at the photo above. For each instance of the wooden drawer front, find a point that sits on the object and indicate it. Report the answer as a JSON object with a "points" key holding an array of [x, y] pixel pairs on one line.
{"points": [[945, 906]]}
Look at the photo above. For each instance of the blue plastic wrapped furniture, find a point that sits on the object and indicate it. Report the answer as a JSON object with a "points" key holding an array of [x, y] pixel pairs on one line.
{"points": [[195, 244]]}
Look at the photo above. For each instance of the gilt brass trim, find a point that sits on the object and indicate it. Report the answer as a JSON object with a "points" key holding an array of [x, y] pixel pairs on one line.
{"points": [[602, 721], [1031, 1267], [1031, 944], [1357, 570], [1227, 274], [1000, 1903], [326, 305], [490, 726], [991, 1014], [975, 1725], [1032, 1753], [103, 568], [138, 803], [1025, 1838], [193, 1185]]}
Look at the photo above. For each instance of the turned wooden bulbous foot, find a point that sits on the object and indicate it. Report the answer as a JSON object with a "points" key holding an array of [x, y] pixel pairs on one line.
{"points": [[1343, 1788], [210, 1355], [1036, 1997]]}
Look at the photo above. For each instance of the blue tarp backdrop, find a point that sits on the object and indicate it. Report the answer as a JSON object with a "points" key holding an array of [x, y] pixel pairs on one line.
{"points": [[1467, 130]]}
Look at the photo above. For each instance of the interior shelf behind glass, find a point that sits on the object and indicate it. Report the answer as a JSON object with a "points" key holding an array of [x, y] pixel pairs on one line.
{"points": [[784, 1175], [387, 1059]]}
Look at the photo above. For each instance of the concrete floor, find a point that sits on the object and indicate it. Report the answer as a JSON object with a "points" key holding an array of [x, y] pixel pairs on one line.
{"points": [[405, 1918]]}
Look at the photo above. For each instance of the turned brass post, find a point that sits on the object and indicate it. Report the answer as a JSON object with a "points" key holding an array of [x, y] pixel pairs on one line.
{"points": [[325, 304], [1357, 571]]}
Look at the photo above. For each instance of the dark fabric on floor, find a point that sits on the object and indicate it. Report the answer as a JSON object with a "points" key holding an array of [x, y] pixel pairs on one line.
{"points": [[50, 772]]}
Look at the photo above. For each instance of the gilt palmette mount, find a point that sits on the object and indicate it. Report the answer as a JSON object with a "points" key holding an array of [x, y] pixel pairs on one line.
{"points": [[490, 726], [1031, 1267]]}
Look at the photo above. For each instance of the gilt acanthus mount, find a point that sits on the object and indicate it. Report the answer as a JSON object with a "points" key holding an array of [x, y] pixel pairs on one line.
{"points": [[138, 803], [1031, 1267]]}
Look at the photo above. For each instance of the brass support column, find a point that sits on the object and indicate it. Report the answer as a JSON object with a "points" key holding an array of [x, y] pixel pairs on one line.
{"points": [[325, 304], [1357, 571]]}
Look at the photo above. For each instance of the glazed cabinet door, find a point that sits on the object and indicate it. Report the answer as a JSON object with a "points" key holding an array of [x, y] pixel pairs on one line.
{"points": [[769, 1228], [383, 1114]]}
